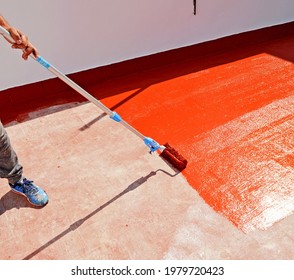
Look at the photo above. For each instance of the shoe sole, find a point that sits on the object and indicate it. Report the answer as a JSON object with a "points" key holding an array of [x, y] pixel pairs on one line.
{"points": [[13, 190]]}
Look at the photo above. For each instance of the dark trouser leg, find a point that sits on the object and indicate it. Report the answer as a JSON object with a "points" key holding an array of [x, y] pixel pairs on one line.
{"points": [[9, 166]]}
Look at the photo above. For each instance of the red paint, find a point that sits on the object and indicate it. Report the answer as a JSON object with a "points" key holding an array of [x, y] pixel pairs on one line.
{"points": [[230, 113], [173, 157]]}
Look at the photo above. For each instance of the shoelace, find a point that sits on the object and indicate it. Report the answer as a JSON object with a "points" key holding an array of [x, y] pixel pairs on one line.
{"points": [[29, 187]]}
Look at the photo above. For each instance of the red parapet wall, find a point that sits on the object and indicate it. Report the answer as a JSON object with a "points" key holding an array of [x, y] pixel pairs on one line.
{"points": [[16, 103]]}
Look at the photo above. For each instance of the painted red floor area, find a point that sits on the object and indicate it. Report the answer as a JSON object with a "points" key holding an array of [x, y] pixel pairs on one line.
{"points": [[231, 116]]}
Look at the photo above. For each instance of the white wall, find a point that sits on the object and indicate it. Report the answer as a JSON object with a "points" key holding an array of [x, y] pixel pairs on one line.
{"points": [[76, 35]]}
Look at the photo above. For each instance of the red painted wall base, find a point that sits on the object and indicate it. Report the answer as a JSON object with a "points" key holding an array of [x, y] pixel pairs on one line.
{"points": [[16, 103]]}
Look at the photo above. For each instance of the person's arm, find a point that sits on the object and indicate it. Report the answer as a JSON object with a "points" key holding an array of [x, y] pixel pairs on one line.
{"points": [[3, 22], [21, 41]]}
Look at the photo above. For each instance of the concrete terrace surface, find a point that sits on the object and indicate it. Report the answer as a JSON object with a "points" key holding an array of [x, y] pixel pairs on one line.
{"points": [[230, 114]]}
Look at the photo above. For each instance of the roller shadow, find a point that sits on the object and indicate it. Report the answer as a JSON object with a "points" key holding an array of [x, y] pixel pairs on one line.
{"points": [[79, 222]]}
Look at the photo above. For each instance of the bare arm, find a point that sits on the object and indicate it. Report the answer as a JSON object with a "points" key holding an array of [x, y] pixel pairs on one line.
{"points": [[21, 41], [3, 22]]}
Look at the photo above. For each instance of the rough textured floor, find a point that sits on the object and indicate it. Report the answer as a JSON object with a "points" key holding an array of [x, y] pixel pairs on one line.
{"points": [[229, 114]]}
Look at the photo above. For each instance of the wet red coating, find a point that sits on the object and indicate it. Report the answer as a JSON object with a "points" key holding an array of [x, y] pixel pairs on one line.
{"points": [[174, 158]]}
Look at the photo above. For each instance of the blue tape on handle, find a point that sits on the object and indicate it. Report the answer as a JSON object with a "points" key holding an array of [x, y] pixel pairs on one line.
{"points": [[152, 144], [43, 62], [116, 117]]}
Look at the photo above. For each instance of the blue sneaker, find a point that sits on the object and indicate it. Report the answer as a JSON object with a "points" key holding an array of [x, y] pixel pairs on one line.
{"points": [[34, 194]]}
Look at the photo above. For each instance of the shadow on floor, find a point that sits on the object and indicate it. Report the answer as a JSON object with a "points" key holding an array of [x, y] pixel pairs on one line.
{"points": [[10, 200], [92, 122], [79, 223]]}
